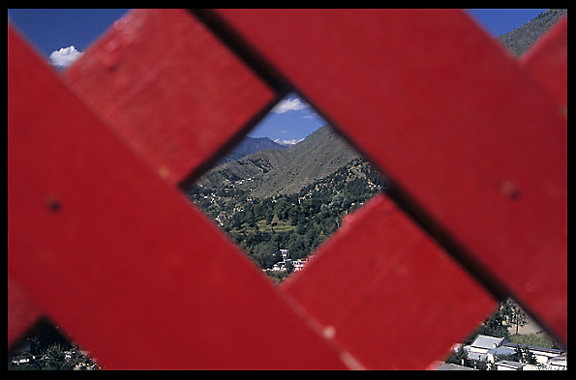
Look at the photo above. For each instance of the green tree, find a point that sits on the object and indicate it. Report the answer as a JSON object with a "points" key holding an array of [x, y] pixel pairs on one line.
{"points": [[458, 356], [269, 216], [301, 226], [524, 355], [495, 325], [515, 317], [281, 208], [265, 254], [296, 246], [259, 211], [289, 267], [294, 215]]}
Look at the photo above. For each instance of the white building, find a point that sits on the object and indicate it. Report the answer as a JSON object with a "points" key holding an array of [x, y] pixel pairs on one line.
{"points": [[494, 353], [484, 343], [508, 365], [451, 367], [542, 354], [559, 362], [478, 349], [490, 349]]}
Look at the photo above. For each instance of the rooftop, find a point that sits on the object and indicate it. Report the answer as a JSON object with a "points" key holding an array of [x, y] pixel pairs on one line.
{"points": [[503, 350], [487, 342], [452, 367], [510, 364], [536, 348]]}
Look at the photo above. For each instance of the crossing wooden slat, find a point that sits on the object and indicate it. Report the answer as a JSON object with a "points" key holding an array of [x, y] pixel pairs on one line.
{"points": [[474, 148], [547, 61], [380, 287], [119, 258], [170, 88]]}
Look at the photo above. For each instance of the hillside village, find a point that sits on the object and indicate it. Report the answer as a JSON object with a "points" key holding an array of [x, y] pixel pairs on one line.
{"points": [[493, 353], [279, 205], [288, 265]]}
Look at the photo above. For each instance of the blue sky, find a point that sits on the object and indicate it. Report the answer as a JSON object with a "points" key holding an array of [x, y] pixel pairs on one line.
{"points": [[61, 35]]}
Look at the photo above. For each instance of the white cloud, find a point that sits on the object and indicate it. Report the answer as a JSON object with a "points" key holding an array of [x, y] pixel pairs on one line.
{"points": [[290, 105], [313, 115], [64, 57]]}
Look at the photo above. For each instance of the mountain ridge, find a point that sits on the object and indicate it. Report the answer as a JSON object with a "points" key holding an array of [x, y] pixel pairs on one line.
{"points": [[521, 39], [250, 145], [313, 158], [284, 171]]}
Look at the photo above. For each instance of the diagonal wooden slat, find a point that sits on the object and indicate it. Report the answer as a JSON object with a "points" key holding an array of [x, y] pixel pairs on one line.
{"points": [[171, 89], [380, 287], [125, 233], [475, 149], [119, 258]]}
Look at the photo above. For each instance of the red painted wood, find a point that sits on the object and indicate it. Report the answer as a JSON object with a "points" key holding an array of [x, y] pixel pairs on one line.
{"points": [[547, 61], [118, 255], [170, 88], [119, 258], [382, 287], [451, 119], [23, 313]]}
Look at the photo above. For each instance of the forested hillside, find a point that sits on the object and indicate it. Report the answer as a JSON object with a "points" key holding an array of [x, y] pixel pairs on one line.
{"points": [[297, 222], [282, 171], [290, 199]]}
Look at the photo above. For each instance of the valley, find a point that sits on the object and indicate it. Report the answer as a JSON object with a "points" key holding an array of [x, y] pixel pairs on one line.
{"points": [[287, 199]]}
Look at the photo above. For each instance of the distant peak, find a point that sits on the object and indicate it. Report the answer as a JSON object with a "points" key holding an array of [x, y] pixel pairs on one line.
{"points": [[287, 142]]}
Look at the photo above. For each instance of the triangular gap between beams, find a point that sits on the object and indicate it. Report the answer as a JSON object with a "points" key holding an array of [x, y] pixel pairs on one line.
{"points": [[279, 201]]}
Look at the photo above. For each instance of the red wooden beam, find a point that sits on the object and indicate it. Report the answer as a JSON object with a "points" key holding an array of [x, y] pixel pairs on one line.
{"points": [[113, 74], [381, 287], [141, 243], [171, 89], [474, 148], [119, 258]]}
